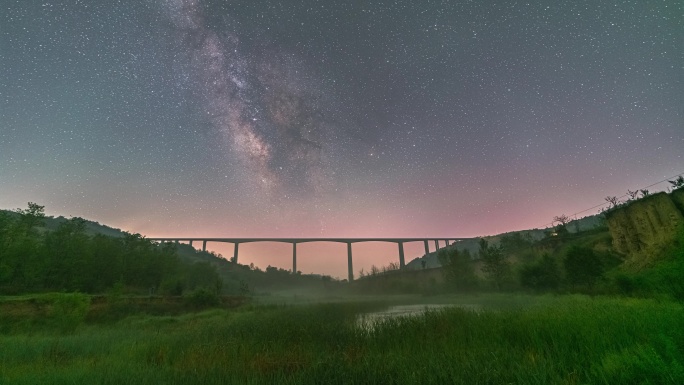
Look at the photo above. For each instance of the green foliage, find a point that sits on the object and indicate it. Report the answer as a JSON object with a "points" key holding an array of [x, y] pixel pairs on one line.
{"points": [[566, 340], [172, 286], [541, 275], [246, 280], [643, 364], [602, 222], [69, 310], [561, 230], [203, 298], [515, 242], [457, 267], [31, 217], [662, 280], [69, 259], [115, 294], [495, 263], [244, 288], [201, 274], [582, 266]]}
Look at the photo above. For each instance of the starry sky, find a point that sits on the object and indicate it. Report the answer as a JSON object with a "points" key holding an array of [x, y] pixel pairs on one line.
{"points": [[336, 118]]}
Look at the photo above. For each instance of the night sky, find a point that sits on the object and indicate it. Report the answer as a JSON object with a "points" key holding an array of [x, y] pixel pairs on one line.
{"points": [[336, 118]]}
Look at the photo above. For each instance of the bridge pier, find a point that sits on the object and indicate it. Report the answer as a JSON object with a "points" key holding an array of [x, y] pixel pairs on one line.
{"points": [[349, 261], [402, 264], [294, 241]]}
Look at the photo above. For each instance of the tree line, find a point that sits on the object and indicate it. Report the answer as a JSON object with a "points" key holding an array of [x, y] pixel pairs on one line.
{"points": [[33, 259], [576, 267]]}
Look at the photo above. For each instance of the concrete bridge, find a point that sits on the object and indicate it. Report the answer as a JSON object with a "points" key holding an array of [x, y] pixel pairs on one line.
{"points": [[294, 241]]}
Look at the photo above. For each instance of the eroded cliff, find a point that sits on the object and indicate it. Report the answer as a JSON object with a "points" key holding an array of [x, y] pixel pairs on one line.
{"points": [[643, 228]]}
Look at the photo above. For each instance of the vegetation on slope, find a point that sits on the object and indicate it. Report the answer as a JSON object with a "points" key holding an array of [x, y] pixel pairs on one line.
{"points": [[563, 261], [41, 254], [70, 259]]}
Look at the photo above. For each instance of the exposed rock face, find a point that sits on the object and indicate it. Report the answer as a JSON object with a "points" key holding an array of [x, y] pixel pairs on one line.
{"points": [[644, 227]]}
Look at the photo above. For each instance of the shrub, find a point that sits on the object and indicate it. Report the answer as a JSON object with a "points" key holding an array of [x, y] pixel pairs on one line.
{"points": [[115, 294], [173, 287], [495, 264], [541, 275], [69, 310], [457, 267], [582, 266], [202, 297]]}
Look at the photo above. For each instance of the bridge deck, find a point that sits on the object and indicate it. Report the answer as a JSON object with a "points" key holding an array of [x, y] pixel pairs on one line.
{"points": [[303, 240], [294, 241]]}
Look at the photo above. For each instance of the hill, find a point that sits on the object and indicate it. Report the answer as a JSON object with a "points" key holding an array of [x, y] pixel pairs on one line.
{"points": [[472, 245], [97, 244]]}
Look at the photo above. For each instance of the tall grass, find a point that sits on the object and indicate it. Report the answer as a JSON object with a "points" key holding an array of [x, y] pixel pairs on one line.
{"points": [[566, 340]]}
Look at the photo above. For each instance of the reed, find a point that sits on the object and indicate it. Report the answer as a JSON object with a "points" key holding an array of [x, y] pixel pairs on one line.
{"points": [[562, 340]]}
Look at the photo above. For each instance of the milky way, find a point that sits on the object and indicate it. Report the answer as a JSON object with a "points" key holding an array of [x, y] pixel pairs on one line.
{"points": [[257, 100]]}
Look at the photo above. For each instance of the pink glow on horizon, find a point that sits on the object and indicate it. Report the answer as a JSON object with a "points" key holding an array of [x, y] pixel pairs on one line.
{"points": [[325, 258], [446, 210]]}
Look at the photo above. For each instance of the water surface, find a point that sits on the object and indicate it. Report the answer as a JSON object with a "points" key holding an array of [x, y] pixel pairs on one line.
{"points": [[369, 320]]}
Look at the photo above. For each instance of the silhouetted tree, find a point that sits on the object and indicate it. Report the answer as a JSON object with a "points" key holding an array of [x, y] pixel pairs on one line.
{"points": [[614, 201], [633, 195], [677, 183], [457, 268], [483, 247], [495, 264], [19, 248], [561, 219], [31, 217], [515, 242], [392, 266], [374, 270]]}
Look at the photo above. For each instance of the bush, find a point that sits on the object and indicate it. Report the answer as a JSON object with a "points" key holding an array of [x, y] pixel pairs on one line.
{"points": [[542, 275], [495, 264], [69, 310], [582, 266], [115, 294], [201, 298], [626, 284], [665, 279], [173, 287], [458, 269]]}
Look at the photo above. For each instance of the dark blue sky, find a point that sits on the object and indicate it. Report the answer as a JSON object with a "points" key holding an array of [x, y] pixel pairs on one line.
{"points": [[336, 118]]}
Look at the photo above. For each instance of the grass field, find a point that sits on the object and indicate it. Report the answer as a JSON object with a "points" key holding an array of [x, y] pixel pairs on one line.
{"points": [[510, 340]]}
